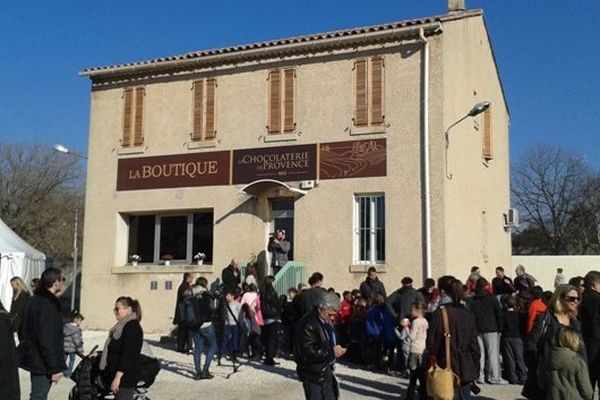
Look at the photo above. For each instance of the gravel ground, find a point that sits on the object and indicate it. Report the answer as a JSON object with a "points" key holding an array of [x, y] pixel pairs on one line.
{"points": [[253, 380]]}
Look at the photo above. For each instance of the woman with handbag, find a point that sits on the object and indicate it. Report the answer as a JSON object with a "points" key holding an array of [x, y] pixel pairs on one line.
{"points": [[452, 336]]}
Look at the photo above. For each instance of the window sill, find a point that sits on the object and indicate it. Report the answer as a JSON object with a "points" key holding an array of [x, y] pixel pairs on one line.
{"points": [[162, 269], [280, 137], [201, 144], [363, 268], [367, 130], [131, 150]]}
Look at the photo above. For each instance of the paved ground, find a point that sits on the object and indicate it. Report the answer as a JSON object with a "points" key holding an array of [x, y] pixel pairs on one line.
{"points": [[255, 381]]}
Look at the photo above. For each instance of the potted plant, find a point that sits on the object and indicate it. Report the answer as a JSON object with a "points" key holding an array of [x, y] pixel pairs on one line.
{"points": [[200, 258], [167, 259], [135, 259]]}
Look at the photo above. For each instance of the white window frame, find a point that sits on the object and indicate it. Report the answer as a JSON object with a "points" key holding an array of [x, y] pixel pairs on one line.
{"points": [[189, 236], [374, 257]]}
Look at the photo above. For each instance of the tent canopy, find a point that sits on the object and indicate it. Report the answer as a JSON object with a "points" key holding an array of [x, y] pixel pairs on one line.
{"points": [[17, 258]]}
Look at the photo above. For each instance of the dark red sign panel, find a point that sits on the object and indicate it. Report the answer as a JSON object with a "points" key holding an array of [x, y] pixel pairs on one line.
{"points": [[286, 163], [182, 170], [353, 159]]}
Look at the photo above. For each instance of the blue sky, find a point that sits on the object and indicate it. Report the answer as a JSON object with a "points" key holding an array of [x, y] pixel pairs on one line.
{"points": [[547, 52]]}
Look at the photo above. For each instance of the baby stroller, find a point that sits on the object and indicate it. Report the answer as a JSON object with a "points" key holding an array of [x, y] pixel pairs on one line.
{"points": [[89, 385]]}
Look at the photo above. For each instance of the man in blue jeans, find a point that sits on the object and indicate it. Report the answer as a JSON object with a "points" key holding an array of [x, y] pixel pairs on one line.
{"points": [[205, 341], [41, 348]]}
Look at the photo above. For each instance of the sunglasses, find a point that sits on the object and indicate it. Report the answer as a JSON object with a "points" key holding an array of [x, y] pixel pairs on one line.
{"points": [[572, 299]]}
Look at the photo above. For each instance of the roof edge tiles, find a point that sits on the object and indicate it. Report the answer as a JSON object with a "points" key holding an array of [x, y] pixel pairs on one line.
{"points": [[312, 42]]}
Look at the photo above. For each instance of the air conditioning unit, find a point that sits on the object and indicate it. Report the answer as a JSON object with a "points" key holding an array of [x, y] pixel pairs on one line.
{"points": [[511, 218], [304, 185]]}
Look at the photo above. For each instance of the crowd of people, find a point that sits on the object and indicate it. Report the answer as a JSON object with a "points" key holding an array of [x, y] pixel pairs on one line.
{"points": [[496, 332], [502, 331]]}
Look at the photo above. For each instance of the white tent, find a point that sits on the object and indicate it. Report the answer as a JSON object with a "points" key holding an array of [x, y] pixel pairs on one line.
{"points": [[17, 258]]}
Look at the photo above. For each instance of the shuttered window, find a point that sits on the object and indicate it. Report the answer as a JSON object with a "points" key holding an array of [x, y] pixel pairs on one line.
{"points": [[368, 92], [487, 139], [282, 91], [204, 109], [133, 117]]}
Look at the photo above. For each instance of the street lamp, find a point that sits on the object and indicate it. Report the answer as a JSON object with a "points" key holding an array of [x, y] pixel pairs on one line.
{"points": [[476, 110], [62, 149]]}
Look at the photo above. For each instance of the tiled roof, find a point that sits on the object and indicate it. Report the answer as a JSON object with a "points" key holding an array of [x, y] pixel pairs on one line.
{"points": [[315, 38]]}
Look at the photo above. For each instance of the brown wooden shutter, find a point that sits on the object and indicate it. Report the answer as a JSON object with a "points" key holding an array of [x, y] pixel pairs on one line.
{"points": [[138, 137], [487, 134], [198, 120], [275, 101], [288, 102], [210, 131], [377, 90], [361, 107], [127, 117]]}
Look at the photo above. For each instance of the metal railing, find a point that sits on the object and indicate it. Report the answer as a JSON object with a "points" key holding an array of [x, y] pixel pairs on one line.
{"points": [[289, 276]]}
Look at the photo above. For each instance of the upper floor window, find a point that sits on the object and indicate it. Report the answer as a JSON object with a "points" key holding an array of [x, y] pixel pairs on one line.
{"points": [[133, 117], [204, 109], [369, 229], [487, 140], [282, 90], [368, 92]]}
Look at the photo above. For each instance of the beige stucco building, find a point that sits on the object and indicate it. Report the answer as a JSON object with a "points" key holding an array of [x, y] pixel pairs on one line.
{"points": [[326, 136]]}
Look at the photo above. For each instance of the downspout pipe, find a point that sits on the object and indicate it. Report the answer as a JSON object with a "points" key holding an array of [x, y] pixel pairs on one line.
{"points": [[425, 115]]}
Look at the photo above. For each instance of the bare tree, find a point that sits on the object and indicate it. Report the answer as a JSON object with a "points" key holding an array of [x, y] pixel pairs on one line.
{"points": [[39, 191], [552, 188]]}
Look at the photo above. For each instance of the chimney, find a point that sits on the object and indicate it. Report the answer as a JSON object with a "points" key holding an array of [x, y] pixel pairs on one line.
{"points": [[456, 6]]}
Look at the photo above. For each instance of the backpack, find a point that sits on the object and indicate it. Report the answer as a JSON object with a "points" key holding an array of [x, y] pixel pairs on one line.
{"points": [[196, 310]]}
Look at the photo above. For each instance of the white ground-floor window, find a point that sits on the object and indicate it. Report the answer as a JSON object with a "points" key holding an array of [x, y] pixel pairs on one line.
{"points": [[369, 228], [178, 237]]}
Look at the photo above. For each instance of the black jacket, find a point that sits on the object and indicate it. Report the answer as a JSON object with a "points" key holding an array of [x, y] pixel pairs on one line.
{"points": [[464, 347], [312, 351], [308, 300], [589, 313], [17, 310], [503, 286], [399, 302], [41, 349], [487, 311], [369, 288], [270, 304], [9, 375], [124, 356], [231, 277]]}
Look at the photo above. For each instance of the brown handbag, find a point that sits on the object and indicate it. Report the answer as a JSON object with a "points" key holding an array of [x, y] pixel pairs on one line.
{"points": [[441, 382]]}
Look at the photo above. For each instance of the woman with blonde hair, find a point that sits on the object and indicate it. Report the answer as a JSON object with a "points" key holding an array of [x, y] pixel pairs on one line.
{"points": [[562, 312], [19, 302]]}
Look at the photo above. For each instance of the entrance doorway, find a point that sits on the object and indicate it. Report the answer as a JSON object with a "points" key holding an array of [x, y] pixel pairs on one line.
{"points": [[282, 218]]}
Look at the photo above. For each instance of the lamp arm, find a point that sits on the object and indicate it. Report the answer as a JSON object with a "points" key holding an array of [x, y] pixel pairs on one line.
{"points": [[447, 137]]}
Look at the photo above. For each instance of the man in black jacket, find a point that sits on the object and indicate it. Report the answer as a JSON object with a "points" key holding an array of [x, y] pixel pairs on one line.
{"points": [[231, 276], [372, 285], [489, 320], [590, 323], [9, 375], [41, 350], [316, 349]]}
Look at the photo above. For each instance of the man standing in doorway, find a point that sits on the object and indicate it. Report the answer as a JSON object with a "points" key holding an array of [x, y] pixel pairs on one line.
{"points": [[279, 246], [41, 350]]}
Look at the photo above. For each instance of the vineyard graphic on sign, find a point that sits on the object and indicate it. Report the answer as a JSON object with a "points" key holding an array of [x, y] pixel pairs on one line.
{"points": [[355, 159]]}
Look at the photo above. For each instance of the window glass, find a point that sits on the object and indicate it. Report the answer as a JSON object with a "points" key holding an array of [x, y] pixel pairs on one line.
{"points": [[202, 241], [370, 229], [141, 237], [173, 236]]}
